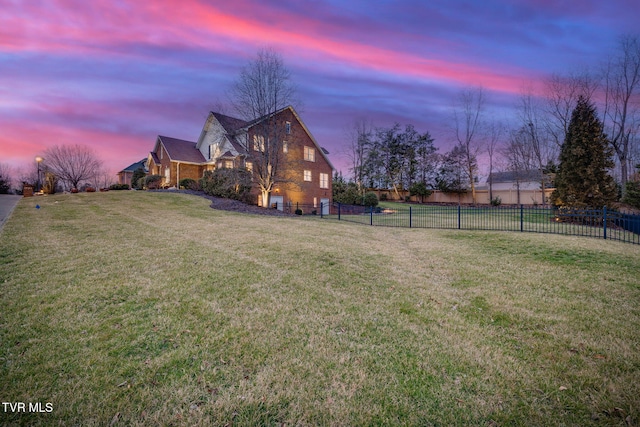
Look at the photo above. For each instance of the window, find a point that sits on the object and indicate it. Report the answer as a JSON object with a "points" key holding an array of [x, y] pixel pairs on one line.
{"points": [[160, 153], [287, 127], [324, 180], [285, 147], [249, 166], [210, 150], [258, 143], [307, 175], [309, 154], [228, 164]]}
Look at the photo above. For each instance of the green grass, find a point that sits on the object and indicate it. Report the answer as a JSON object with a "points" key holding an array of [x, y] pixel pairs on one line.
{"points": [[135, 308]]}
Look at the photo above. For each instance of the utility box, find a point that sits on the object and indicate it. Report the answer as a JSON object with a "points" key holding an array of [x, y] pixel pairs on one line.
{"points": [[27, 191]]}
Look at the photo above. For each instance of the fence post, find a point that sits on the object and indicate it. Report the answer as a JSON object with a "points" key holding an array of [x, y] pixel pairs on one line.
{"points": [[321, 210], [371, 216], [459, 218], [409, 216], [604, 219], [339, 204], [521, 218]]}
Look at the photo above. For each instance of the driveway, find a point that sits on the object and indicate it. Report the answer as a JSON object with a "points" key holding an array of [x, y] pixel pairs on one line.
{"points": [[7, 203]]}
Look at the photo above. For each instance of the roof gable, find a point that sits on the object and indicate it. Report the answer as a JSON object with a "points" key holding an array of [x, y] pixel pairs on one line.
{"points": [[180, 150]]}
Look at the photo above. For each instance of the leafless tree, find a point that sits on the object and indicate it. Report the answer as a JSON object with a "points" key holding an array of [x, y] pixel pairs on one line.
{"points": [[519, 155], [72, 163], [264, 88], [359, 138], [468, 120], [531, 118], [561, 96], [6, 181], [622, 103], [495, 133]]}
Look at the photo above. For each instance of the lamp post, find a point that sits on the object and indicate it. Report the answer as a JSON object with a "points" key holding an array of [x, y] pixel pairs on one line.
{"points": [[38, 161]]}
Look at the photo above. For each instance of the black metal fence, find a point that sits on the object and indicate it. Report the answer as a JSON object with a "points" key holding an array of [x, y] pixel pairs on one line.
{"points": [[600, 223]]}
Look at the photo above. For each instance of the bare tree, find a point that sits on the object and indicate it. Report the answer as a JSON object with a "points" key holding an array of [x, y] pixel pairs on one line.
{"points": [[467, 116], [72, 163], [359, 138], [264, 88], [5, 178], [561, 96], [494, 136], [621, 110], [519, 156], [543, 152]]}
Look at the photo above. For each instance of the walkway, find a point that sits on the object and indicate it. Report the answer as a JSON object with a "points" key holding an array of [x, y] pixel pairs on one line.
{"points": [[8, 203]]}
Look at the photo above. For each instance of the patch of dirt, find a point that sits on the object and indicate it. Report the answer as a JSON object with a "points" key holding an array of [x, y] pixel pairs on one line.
{"points": [[233, 205]]}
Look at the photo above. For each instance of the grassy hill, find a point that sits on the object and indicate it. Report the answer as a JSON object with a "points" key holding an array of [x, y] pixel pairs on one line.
{"points": [[135, 308]]}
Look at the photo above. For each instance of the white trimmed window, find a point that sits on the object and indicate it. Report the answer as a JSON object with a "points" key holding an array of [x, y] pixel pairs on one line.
{"points": [[309, 154], [287, 127], [249, 166], [324, 180], [307, 175], [285, 147]]}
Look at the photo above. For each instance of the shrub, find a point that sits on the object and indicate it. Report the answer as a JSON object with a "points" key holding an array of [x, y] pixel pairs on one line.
{"points": [[228, 183], [137, 179], [152, 182], [189, 184], [298, 211], [370, 199], [496, 201], [119, 187], [632, 194], [384, 197], [90, 190], [419, 189]]}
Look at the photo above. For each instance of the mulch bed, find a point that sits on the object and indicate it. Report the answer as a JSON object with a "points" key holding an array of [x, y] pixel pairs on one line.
{"points": [[232, 205]]}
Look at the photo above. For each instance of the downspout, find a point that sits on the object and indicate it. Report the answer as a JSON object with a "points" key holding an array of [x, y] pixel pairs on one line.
{"points": [[177, 175]]}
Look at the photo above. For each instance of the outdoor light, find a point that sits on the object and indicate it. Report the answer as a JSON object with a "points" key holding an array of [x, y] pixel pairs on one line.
{"points": [[38, 161]]}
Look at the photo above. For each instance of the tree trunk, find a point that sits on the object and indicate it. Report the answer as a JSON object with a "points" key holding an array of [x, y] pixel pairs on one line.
{"points": [[265, 197]]}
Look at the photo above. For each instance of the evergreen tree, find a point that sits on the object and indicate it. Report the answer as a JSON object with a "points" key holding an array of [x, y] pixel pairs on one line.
{"points": [[583, 178]]}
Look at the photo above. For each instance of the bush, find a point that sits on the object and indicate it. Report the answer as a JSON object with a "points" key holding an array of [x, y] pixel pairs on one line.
{"points": [[370, 199], [632, 194], [119, 187], [90, 190], [419, 189], [496, 201], [137, 179], [189, 184], [384, 197], [152, 182], [298, 211], [228, 183]]}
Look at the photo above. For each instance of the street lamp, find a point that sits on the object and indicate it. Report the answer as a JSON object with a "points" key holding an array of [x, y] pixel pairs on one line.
{"points": [[38, 161]]}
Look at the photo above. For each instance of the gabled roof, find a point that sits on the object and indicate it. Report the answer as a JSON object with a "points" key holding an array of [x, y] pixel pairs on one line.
{"points": [[180, 150], [533, 175], [321, 150], [230, 124], [137, 165]]}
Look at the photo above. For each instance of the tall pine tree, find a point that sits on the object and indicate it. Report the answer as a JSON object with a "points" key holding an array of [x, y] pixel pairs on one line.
{"points": [[583, 178]]}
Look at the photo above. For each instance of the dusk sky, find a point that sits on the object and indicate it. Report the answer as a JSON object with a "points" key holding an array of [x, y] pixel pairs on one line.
{"points": [[114, 74]]}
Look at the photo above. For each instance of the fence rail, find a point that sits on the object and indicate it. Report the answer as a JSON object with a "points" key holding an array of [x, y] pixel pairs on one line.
{"points": [[599, 223]]}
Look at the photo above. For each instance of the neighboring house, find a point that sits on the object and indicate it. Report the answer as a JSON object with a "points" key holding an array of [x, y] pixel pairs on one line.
{"points": [[516, 180], [124, 176], [227, 142]]}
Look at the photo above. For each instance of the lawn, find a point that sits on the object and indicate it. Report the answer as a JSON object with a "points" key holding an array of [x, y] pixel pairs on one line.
{"points": [[135, 308]]}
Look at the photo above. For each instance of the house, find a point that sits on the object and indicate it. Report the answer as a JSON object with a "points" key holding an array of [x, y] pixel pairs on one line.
{"points": [[304, 170], [175, 159], [523, 180], [125, 175]]}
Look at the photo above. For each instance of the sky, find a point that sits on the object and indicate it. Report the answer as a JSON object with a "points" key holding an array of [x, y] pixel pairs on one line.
{"points": [[114, 74]]}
